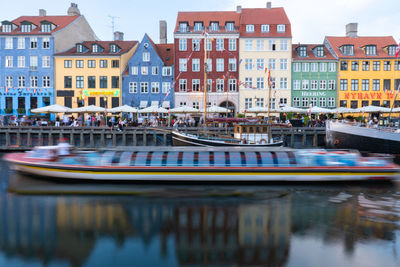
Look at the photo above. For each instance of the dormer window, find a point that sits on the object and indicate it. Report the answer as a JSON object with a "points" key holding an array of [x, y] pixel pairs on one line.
{"points": [[95, 48], [198, 26], [214, 26], [250, 28], [302, 51], [370, 50], [348, 50], [392, 50], [183, 27], [113, 48], [26, 27], [230, 27], [6, 28], [281, 28], [319, 51], [79, 48], [265, 28], [46, 27]]}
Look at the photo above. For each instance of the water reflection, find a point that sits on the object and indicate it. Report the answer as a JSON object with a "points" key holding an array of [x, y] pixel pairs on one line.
{"points": [[192, 231]]}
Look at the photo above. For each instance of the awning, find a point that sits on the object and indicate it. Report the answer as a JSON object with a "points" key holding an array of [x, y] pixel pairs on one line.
{"points": [[166, 104], [143, 104], [154, 103]]}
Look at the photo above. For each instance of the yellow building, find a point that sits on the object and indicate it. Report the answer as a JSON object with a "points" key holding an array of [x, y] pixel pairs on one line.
{"points": [[91, 73], [368, 72]]}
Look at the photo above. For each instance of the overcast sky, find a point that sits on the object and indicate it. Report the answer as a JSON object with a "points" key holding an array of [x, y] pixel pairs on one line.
{"points": [[311, 19]]}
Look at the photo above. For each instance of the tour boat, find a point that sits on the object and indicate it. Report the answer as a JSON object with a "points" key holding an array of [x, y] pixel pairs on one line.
{"points": [[200, 164]]}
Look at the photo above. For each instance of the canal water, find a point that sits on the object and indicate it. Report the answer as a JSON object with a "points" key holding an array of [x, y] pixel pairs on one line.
{"points": [[200, 225]]}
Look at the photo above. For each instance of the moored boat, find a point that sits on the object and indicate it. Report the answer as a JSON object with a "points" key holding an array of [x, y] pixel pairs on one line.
{"points": [[187, 164]]}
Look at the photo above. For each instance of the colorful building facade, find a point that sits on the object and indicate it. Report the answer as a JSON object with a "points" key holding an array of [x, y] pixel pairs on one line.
{"points": [[314, 76], [368, 70], [265, 42], [220, 32], [149, 77], [28, 44], [90, 73]]}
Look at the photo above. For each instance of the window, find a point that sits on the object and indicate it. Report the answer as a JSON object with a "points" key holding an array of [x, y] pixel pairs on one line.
{"points": [[259, 102], [343, 65], [271, 45], [9, 62], [220, 85], [343, 103], [296, 101], [6, 27], [209, 44], [306, 67], [182, 64], [264, 28], [331, 85], [296, 84], [46, 27], [34, 43], [95, 48], [195, 44], [386, 85], [283, 63], [397, 65], [91, 82], [283, 83], [260, 64], [166, 71], [376, 85], [314, 67], [209, 85], [348, 50], [21, 62], [154, 70], [67, 63], [21, 81], [209, 65], [296, 67], [182, 85], [144, 87], [248, 64], [91, 63], [46, 81], [9, 81], [248, 82], [183, 27], [196, 85], [230, 27], [79, 63], [103, 63], [314, 84], [103, 82], [195, 64], [67, 81], [260, 45], [214, 26], [46, 43], [250, 28], [354, 85], [248, 45], [196, 104], [376, 66], [232, 44], [232, 85], [198, 26], [220, 45], [220, 65], [302, 51], [386, 65], [343, 85], [155, 87], [272, 83], [283, 45], [134, 70], [115, 82], [281, 28], [322, 85], [331, 102], [365, 85], [79, 81], [272, 63], [146, 56], [46, 61], [354, 65], [306, 84], [113, 48], [260, 83], [21, 43], [313, 101], [322, 102], [9, 43], [34, 81], [323, 67], [332, 67], [370, 50], [320, 51], [304, 102], [114, 63], [144, 70], [248, 103], [232, 64], [392, 50], [133, 87], [166, 87], [182, 44]]}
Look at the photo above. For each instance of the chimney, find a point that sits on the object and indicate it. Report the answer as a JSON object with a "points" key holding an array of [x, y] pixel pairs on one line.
{"points": [[42, 13], [73, 10], [238, 9], [118, 36], [269, 5], [351, 30], [163, 32]]}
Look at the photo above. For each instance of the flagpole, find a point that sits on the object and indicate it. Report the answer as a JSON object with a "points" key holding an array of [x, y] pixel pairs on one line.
{"points": [[269, 104], [205, 78], [398, 87]]}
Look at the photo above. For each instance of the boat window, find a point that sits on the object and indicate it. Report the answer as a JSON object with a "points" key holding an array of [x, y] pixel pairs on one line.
{"points": [[125, 158], [257, 129], [133, 158], [283, 159], [187, 159], [235, 159], [116, 157], [107, 158], [251, 130], [203, 159], [219, 159], [148, 159], [172, 158], [157, 159], [141, 159], [267, 160], [251, 159]]}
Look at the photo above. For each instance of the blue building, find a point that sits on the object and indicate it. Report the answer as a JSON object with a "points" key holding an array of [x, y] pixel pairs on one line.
{"points": [[148, 79], [27, 46]]}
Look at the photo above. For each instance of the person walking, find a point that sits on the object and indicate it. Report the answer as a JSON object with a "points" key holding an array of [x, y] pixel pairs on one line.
{"points": [[57, 121]]}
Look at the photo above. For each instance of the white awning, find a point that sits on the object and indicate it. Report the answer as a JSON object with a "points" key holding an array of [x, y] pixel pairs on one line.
{"points": [[143, 104], [154, 103], [166, 104]]}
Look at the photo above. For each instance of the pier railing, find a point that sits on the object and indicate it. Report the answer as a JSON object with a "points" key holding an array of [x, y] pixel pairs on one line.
{"points": [[26, 137]]}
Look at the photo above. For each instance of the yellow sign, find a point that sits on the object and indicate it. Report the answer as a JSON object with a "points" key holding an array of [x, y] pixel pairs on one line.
{"points": [[101, 92]]}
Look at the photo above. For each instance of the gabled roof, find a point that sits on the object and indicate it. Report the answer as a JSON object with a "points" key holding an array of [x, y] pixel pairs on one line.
{"points": [[60, 21], [310, 53], [125, 46], [166, 52], [381, 42], [207, 17]]}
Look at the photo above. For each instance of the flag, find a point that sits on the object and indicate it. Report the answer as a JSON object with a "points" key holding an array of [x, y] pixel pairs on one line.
{"points": [[397, 50], [269, 78], [240, 61], [265, 70], [6, 89]]}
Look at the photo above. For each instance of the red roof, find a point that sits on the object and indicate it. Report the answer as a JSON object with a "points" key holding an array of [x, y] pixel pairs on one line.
{"points": [[206, 17], [311, 54], [359, 43], [166, 52], [124, 45], [60, 21]]}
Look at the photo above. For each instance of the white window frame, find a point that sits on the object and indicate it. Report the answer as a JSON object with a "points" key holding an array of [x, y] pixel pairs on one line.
{"points": [[248, 45], [166, 87], [166, 71], [283, 45], [283, 83], [34, 81], [21, 43], [182, 85], [232, 85], [144, 70], [305, 84], [196, 43], [155, 87], [220, 65], [196, 65], [196, 82], [134, 70], [46, 42], [21, 62], [250, 28], [146, 56], [296, 84], [264, 27], [46, 81], [322, 85], [133, 87], [283, 63], [182, 44], [144, 87], [260, 45], [219, 85], [46, 62], [232, 64], [232, 44], [219, 44], [281, 28], [183, 64], [9, 43], [154, 70], [9, 62]]}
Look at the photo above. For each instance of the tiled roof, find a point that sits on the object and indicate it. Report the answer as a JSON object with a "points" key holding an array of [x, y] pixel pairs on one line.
{"points": [[359, 43], [124, 45], [60, 21], [166, 52], [206, 17], [310, 53]]}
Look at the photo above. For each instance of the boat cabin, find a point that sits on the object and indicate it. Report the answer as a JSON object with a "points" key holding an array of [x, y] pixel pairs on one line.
{"points": [[251, 133]]}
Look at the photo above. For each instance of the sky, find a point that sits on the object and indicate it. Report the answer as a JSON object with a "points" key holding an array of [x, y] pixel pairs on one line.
{"points": [[311, 20]]}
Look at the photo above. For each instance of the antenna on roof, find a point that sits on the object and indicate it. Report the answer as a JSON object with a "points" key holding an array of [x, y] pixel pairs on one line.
{"points": [[113, 23]]}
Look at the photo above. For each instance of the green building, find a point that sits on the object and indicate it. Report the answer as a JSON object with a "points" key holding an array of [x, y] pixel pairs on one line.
{"points": [[314, 76]]}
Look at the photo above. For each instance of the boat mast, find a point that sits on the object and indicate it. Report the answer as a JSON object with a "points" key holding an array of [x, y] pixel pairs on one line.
{"points": [[269, 94], [205, 78]]}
